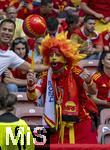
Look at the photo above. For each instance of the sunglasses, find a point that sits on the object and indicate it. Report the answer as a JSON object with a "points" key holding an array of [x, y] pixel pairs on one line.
{"points": [[17, 41]]}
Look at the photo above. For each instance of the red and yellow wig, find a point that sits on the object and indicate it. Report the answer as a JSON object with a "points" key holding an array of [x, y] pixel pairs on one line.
{"points": [[68, 49]]}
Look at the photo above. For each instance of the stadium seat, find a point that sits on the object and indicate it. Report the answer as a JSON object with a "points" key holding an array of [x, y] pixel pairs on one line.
{"points": [[103, 134], [105, 116], [21, 96], [28, 110], [30, 113], [22, 99]]}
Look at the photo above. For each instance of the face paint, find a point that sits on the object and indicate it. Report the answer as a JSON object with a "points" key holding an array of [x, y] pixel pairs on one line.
{"points": [[57, 60]]}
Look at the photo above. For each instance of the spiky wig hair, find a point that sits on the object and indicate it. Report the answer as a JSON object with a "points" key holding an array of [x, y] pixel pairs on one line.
{"points": [[68, 49]]}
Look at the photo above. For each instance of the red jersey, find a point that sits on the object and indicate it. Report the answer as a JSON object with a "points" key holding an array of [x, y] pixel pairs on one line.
{"points": [[24, 11], [71, 32], [106, 38], [37, 11], [64, 3], [85, 104], [4, 4], [64, 90], [17, 73], [96, 39], [103, 85], [101, 6]]}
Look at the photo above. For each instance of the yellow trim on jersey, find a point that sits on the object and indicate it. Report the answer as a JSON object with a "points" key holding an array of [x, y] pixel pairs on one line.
{"points": [[77, 70], [96, 76], [32, 96], [43, 74]]}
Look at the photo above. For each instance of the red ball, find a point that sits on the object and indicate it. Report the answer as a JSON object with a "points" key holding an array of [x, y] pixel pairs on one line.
{"points": [[34, 26]]}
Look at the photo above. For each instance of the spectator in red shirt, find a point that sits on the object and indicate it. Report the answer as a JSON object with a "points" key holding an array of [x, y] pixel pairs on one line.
{"points": [[63, 89], [53, 26], [3, 5], [106, 40], [102, 80], [45, 10], [90, 41], [23, 7], [99, 9], [15, 78], [64, 5], [72, 23], [59, 3], [100, 85]]}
